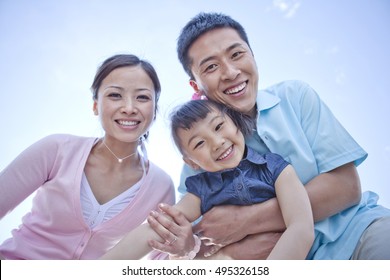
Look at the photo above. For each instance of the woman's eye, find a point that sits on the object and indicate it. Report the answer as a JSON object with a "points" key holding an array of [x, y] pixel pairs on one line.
{"points": [[143, 97], [114, 95]]}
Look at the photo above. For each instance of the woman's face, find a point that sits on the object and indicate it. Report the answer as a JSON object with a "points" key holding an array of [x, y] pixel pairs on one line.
{"points": [[225, 69], [126, 103]]}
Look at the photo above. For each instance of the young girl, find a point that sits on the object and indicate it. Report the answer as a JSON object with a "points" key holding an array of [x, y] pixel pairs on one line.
{"points": [[211, 138]]}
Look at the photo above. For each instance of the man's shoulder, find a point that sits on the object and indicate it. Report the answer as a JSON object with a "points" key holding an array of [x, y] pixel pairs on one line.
{"points": [[286, 87]]}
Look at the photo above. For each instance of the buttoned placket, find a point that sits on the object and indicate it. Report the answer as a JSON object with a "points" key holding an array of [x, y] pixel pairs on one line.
{"points": [[239, 185]]}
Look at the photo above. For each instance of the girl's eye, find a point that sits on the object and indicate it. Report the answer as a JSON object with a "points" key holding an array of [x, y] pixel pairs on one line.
{"points": [[219, 126], [198, 144]]}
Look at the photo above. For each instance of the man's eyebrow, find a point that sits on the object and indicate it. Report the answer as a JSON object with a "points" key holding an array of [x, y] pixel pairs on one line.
{"points": [[235, 45]]}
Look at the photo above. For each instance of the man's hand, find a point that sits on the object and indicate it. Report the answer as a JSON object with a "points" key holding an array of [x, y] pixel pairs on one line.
{"points": [[252, 247], [222, 225]]}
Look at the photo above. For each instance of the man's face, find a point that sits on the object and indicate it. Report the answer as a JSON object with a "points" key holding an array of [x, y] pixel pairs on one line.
{"points": [[225, 69]]}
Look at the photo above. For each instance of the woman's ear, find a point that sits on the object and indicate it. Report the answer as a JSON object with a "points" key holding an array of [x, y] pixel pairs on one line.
{"points": [[191, 163], [95, 110]]}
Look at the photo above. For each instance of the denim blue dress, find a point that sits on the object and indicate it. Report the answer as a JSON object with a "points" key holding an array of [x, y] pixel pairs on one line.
{"points": [[252, 181]]}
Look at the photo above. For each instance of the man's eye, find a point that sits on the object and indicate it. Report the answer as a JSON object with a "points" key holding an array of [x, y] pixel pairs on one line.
{"points": [[211, 68], [237, 54]]}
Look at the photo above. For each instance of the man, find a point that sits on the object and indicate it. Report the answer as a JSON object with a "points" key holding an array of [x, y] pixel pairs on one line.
{"points": [[292, 121]]}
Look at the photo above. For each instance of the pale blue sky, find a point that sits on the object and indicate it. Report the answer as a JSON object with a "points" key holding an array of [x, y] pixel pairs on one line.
{"points": [[49, 51]]}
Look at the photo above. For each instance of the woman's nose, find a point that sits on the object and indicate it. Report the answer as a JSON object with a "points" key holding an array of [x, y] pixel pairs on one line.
{"points": [[128, 106]]}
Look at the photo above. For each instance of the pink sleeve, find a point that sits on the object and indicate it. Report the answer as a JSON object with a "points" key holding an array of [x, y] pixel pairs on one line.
{"points": [[26, 173]]}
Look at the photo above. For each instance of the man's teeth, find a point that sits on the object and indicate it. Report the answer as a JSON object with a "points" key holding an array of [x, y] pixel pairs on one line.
{"points": [[127, 123], [225, 154], [236, 89]]}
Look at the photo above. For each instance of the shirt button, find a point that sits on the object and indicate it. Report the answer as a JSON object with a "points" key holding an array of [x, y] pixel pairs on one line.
{"points": [[239, 187], [82, 244]]}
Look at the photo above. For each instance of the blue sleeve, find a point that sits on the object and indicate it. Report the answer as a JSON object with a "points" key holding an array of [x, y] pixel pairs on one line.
{"points": [[186, 172], [331, 143], [275, 164]]}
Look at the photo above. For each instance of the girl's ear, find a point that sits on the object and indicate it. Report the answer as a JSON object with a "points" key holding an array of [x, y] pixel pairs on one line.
{"points": [[191, 163]]}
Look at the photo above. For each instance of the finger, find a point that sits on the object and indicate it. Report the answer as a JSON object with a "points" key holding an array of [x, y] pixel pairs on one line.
{"points": [[160, 229], [212, 250], [162, 247], [166, 221], [173, 213]]}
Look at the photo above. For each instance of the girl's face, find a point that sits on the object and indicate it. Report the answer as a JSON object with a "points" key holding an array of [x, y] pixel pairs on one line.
{"points": [[126, 103], [213, 143], [225, 69]]}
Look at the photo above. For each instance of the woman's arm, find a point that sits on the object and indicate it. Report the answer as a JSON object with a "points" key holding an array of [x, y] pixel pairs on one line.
{"points": [[133, 246], [294, 203], [27, 172], [170, 235]]}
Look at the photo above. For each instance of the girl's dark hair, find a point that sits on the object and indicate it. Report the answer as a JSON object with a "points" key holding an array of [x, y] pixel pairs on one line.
{"points": [[186, 115], [199, 25], [124, 60]]}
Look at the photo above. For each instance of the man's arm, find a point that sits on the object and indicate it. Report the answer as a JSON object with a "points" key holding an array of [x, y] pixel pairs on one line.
{"points": [[329, 193]]}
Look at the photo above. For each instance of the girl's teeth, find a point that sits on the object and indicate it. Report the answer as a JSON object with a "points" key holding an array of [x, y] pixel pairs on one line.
{"points": [[225, 154]]}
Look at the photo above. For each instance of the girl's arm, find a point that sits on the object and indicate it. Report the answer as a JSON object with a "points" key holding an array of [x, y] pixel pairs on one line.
{"points": [[294, 203], [175, 235]]}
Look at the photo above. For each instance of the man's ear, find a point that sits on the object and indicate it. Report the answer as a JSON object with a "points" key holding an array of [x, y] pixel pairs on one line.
{"points": [[191, 163], [194, 85], [95, 110]]}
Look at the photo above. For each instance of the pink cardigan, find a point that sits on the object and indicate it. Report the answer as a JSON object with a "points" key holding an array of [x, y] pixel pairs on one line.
{"points": [[55, 227]]}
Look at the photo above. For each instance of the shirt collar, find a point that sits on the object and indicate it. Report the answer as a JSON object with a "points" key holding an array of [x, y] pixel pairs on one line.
{"points": [[254, 157], [265, 100]]}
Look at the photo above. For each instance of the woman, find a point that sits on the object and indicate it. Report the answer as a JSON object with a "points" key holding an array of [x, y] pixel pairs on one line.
{"points": [[90, 191]]}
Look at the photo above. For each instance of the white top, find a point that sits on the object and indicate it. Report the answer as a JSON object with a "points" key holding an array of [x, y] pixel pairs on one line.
{"points": [[95, 213]]}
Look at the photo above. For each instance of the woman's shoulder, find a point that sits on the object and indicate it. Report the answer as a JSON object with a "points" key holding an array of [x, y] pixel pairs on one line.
{"points": [[64, 141], [158, 173], [67, 138]]}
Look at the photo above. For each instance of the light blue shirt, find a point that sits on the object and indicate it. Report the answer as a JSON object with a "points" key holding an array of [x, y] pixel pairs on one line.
{"points": [[294, 123]]}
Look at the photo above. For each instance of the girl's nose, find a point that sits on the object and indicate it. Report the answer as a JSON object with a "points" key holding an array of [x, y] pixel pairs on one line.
{"points": [[218, 143]]}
